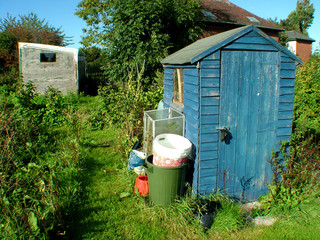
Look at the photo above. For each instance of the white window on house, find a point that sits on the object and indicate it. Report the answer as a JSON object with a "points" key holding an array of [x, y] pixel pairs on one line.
{"points": [[178, 86], [48, 57], [253, 19]]}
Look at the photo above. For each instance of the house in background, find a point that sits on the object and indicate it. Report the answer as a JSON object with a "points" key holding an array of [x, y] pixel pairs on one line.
{"points": [[299, 44], [47, 65], [222, 15]]}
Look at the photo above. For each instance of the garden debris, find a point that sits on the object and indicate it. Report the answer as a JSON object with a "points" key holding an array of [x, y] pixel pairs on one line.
{"points": [[264, 221], [136, 157], [124, 195], [248, 207], [140, 171], [205, 211], [259, 220]]}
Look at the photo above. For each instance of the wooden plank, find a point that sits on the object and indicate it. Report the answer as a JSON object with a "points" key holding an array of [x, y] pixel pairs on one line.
{"points": [[212, 163], [248, 46], [168, 71], [208, 128], [284, 123], [191, 80], [168, 88], [287, 65], [191, 96], [286, 91], [253, 40], [193, 119], [209, 119], [192, 125], [285, 73], [192, 131], [285, 106], [210, 82], [285, 115], [209, 73], [209, 110], [210, 101], [209, 137], [207, 155], [191, 112], [284, 131], [252, 34], [210, 64], [210, 92], [287, 82], [286, 98], [213, 56], [179, 66], [209, 146], [191, 72], [207, 172], [191, 104], [191, 88], [168, 81], [286, 58], [208, 180]]}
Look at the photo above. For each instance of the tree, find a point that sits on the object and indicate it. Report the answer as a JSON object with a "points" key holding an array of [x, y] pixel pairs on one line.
{"points": [[132, 32], [300, 19], [26, 28], [307, 97]]}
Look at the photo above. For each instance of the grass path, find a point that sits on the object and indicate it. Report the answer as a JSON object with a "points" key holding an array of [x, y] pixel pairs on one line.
{"points": [[103, 214]]}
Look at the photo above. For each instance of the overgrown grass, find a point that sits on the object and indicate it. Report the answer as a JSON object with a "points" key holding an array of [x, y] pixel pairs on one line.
{"points": [[39, 163]]}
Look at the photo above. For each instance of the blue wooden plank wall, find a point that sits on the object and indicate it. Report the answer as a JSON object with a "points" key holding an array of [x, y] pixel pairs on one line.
{"points": [[168, 86], [251, 41], [286, 98], [209, 121]]}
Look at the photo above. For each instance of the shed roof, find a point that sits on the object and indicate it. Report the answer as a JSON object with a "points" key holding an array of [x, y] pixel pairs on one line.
{"points": [[203, 47], [227, 12], [46, 47], [293, 35]]}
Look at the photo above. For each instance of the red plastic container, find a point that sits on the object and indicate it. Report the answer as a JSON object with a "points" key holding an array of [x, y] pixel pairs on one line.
{"points": [[142, 186]]}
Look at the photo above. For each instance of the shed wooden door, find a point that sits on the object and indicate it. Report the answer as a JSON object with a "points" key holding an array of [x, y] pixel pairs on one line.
{"points": [[248, 103]]}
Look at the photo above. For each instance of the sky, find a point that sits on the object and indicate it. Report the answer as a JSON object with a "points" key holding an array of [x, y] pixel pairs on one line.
{"points": [[60, 13]]}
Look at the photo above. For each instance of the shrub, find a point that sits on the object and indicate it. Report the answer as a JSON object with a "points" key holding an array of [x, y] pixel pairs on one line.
{"points": [[125, 103], [296, 174], [307, 98]]}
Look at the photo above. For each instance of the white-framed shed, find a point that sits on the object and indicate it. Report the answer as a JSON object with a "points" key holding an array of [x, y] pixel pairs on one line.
{"points": [[48, 65]]}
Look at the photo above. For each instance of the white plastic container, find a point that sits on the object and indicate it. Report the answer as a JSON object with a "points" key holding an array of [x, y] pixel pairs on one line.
{"points": [[170, 150]]}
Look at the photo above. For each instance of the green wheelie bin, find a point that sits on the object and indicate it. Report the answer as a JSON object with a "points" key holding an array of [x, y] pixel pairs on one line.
{"points": [[165, 183]]}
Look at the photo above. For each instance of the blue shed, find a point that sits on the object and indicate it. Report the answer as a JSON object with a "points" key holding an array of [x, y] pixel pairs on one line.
{"points": [[236, 90]]}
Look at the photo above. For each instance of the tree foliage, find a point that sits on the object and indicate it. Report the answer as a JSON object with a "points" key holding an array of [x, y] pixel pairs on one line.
{"points": [[300, 19], [25, 28], [138, 32], [307, 97]]}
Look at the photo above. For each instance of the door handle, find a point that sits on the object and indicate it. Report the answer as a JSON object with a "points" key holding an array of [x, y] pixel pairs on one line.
{"points": [[224, 132]]}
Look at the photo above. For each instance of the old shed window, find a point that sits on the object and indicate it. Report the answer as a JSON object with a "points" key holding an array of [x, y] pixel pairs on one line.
{"points": [[178, 86], [47, 57]]}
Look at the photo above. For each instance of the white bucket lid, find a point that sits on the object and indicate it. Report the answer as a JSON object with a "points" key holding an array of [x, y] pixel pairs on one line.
{"points": [[172, 146]]}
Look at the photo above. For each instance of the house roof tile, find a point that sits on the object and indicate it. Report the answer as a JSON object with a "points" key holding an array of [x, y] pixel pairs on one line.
{"points": [[227, 12]]}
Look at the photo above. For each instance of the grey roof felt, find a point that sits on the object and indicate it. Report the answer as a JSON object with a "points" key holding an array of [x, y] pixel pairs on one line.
{"points": [[186, 54], [293, 35], [203, 47]]}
